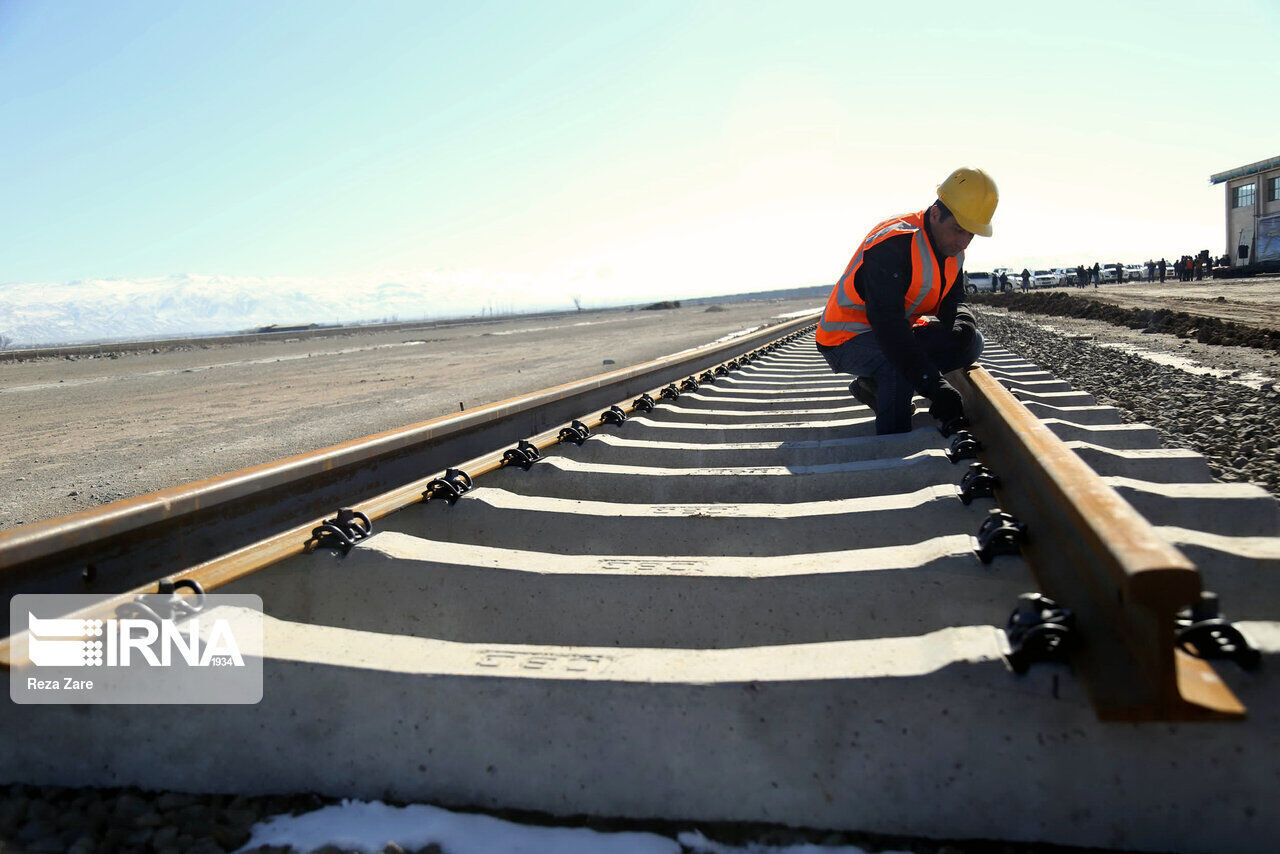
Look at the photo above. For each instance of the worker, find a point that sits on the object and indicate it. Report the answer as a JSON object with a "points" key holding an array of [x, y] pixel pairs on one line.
{"points": [[877, 324]]}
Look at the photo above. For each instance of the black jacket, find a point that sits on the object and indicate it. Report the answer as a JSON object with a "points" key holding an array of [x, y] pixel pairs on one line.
{"points": [[882, 282]]}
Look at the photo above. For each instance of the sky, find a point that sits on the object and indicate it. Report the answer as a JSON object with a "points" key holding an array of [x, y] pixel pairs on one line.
{"points": [[609, 150]]}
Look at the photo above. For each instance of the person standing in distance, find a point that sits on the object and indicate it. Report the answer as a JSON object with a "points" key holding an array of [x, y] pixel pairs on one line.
{"points": [[907, 270]]}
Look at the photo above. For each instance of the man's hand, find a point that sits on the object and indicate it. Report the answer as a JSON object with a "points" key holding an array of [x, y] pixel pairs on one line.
{"points": [[965, 325], [947, 403]]}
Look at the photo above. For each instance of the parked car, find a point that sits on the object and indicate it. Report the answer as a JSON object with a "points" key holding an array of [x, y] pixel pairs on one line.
{"points": [[1135, 273], [1064, 276], [979, 281], [1043, 279], [1107, 273]]}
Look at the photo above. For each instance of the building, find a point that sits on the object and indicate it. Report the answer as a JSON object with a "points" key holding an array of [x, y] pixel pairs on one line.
{"points": [[1253, 212]]}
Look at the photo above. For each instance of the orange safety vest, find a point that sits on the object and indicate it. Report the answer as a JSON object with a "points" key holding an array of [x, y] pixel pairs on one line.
{"points": [[846, 315]]}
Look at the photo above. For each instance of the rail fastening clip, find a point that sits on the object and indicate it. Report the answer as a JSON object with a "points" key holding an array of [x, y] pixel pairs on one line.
{"points": [[964, 446], [344, 530], [955, 425], [999, 534], [165, 603], [1039, 630], [577, 433], [613, 415], [450, 487], [525, 454], [978, 482], [1204, 633], [643, 403]]}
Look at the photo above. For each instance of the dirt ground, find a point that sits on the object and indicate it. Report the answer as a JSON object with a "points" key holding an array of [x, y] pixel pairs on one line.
{"points": [[1254, 301], [1248, 366], [91, 430], [87, 431]]}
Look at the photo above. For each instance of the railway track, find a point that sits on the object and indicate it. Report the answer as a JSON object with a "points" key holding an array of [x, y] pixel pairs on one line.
{"points": [[703, 589]]}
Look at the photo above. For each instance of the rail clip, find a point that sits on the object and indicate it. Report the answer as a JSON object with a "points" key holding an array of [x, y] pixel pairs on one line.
{"points": [[670, 393], [978, 482], [1039, 630], [955, 425], [1203, 632], [1000, 534], [450, 487], [613, 415], [577, 433], [344, 530], [525, 454], [963, 447], [165, 603], [643, 403]]}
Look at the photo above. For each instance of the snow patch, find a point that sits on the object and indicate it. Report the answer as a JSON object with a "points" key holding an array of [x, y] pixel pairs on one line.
{"points": [[696, 843], [368, 827]]}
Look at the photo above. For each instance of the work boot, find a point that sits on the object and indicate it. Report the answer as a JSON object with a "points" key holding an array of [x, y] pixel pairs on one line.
{"points": [[864, 389]]}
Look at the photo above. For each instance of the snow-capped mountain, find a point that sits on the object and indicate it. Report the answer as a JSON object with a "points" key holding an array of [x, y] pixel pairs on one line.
{"points": [[35, 314]]}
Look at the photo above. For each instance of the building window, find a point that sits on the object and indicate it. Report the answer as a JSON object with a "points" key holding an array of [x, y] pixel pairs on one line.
{"points": [[1243, 196], [1273, 189]]}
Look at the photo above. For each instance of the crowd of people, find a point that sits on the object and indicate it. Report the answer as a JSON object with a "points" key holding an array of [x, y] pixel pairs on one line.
{"points": [[1187, 268]]}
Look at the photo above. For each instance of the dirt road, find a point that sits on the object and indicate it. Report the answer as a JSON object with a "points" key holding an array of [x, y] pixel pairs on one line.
{"points": [[77, 433]]}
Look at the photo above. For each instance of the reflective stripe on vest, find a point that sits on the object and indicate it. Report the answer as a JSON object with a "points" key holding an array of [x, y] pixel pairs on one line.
{"points": [[846, 315]]}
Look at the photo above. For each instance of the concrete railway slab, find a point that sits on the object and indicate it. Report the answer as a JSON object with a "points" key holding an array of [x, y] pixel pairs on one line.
{"points": [[855, 733], [744, 606]]}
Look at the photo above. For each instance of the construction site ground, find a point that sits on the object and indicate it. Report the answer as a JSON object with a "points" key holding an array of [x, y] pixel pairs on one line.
{"points": [[90, 430], [1253, 301], [83, 431]]}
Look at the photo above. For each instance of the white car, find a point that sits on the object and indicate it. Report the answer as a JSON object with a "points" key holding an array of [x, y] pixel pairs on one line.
{"points": [[977, 281], [1135, 273], [1043, 279], [1064, 275]]}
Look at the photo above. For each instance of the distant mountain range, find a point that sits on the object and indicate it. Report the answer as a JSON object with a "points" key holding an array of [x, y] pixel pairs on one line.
{"points": [[176, 306], [100, 310]]}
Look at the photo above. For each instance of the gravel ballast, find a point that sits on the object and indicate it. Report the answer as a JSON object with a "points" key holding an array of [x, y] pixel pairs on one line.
{"points": [[1234, 426], [1206, 330]]}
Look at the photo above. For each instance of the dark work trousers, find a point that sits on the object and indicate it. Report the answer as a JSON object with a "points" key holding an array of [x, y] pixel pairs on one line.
{"points": [[861, 356]]}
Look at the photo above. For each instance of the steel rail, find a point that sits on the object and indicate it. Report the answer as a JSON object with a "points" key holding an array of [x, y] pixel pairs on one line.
{"points": [[133, 542], [1087, 548], [1092, 552], [300, 539]]}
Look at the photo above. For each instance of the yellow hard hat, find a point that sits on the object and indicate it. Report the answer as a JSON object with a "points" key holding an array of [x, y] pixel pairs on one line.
{"points": [[971, 196]]}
